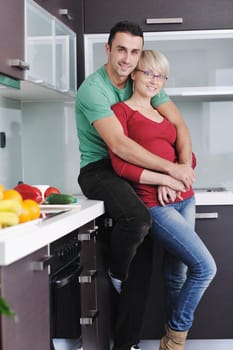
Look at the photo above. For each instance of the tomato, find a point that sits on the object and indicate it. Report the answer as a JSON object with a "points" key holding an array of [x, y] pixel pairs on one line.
{"points": [[51, 190]]}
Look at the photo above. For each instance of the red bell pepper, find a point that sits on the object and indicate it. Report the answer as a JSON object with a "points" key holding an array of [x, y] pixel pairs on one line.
{"points": [[29, 192]]}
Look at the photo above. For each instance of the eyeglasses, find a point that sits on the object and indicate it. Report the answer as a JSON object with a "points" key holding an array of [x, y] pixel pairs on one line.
{"points": [[150, 75]]}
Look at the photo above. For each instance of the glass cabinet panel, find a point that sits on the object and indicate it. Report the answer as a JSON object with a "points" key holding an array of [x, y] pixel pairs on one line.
{"points": [[200, 61], [39, 44], [200, 82], [65, 41], [50, 50]]}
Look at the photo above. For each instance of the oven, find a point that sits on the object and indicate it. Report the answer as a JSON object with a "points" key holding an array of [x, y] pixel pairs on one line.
{"points": [[65, 303]]}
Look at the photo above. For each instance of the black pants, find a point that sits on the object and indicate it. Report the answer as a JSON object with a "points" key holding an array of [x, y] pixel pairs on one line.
{"points": [[132, 223]]}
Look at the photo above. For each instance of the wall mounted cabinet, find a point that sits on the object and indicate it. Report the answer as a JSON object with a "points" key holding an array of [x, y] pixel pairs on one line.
{"points": [[12, 38], [41, 53], [50, 50], [201, 83], [66, 11], [158, 15]]}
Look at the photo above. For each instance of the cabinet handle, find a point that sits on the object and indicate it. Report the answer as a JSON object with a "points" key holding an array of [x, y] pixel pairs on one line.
{"points": [[206, 215], [87, 277], [40, 265], [16, 62], [87, 235], [90, 318], [171, 20], [65, 12], [65, 280]]}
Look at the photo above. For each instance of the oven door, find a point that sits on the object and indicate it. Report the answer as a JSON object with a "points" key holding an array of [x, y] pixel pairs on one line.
{"points": [[65, 302]]}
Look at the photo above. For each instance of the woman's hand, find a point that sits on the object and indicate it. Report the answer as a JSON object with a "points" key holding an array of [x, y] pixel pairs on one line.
{"points": [[167, 195]]}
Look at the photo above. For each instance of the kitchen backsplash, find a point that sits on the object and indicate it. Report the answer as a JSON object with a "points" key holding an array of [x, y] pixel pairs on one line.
{"points": [[11, 158], [42, 147], [211, 124]]}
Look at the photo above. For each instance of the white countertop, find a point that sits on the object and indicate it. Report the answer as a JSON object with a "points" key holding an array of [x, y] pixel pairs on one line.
{"points": [[18, 241], [214, 198]]}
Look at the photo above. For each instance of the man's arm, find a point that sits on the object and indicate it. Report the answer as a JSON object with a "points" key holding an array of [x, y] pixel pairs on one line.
{"points": [[137, 174], [111, 131]]}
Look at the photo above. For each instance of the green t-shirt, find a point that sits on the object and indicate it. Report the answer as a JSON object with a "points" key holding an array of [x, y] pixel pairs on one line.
{"points": [[94, 99]]}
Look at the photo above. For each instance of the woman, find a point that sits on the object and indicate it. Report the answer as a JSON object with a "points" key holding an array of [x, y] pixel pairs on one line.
{"points": [[188, 266]]}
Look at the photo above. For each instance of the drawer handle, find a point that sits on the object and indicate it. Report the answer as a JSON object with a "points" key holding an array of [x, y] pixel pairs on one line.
{"points": [[206, 215], [87, 277], [87, 235], [40, 265], [16, 62], [171, 20], [65, 12], [90, 318]]}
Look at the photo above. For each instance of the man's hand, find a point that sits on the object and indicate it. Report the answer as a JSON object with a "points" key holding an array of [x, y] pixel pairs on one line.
{"points": [[184, 173]]}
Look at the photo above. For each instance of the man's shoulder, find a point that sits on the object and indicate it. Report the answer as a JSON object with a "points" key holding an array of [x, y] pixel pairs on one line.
{"points": [[95, 79]]}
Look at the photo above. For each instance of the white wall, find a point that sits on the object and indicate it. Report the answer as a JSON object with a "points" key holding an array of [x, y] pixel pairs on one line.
{"points": [[50, 145], [11, 156]]}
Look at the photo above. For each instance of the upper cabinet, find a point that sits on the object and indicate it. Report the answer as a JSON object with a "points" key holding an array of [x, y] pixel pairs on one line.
{"points": [[159, 15], [68, 11], [200, 61], [39, 50], [50, 50], [12, 60]]}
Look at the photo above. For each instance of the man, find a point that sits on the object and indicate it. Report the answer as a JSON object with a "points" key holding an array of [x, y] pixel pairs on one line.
{"points": [[98, 128]]}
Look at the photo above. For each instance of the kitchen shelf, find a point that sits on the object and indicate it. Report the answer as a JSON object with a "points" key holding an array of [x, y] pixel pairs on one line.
{"points": [[209, 93], [36, 91]]}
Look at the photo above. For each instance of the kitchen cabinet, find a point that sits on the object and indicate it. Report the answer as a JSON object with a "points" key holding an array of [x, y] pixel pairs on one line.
{"points": [[170, 15], [12, 38], [200, 83], [95, 303], [27, 292], [213, 318], [24, 251], [40, 50], [50, 50], [71, 13], [67, 11]]}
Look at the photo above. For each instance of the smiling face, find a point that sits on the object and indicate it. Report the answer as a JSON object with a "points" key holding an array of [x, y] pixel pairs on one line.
{"points": [[150, 74], [123, 55]]}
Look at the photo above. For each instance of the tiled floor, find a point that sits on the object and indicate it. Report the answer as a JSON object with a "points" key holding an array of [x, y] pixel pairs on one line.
{"points": [[61, 344]]}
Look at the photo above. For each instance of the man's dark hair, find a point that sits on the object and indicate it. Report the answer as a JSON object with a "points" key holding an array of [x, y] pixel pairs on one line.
{"points": [[125, 27]]}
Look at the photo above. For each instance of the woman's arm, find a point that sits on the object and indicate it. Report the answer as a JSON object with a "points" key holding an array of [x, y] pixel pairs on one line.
{"points": [[143, 176]]}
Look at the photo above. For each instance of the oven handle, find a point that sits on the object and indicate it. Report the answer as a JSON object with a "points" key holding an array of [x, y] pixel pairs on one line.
{"points": [[64, 281]]}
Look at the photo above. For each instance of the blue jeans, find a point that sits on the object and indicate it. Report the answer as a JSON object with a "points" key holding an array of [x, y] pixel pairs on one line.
{"points": [[188, 265]]}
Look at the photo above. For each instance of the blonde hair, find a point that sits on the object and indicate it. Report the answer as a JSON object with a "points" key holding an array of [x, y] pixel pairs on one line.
{"points": [[154, 60]]}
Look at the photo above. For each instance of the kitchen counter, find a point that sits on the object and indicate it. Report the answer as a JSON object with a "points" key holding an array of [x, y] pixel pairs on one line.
{"points": [[18, 241], [224, 197]]}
